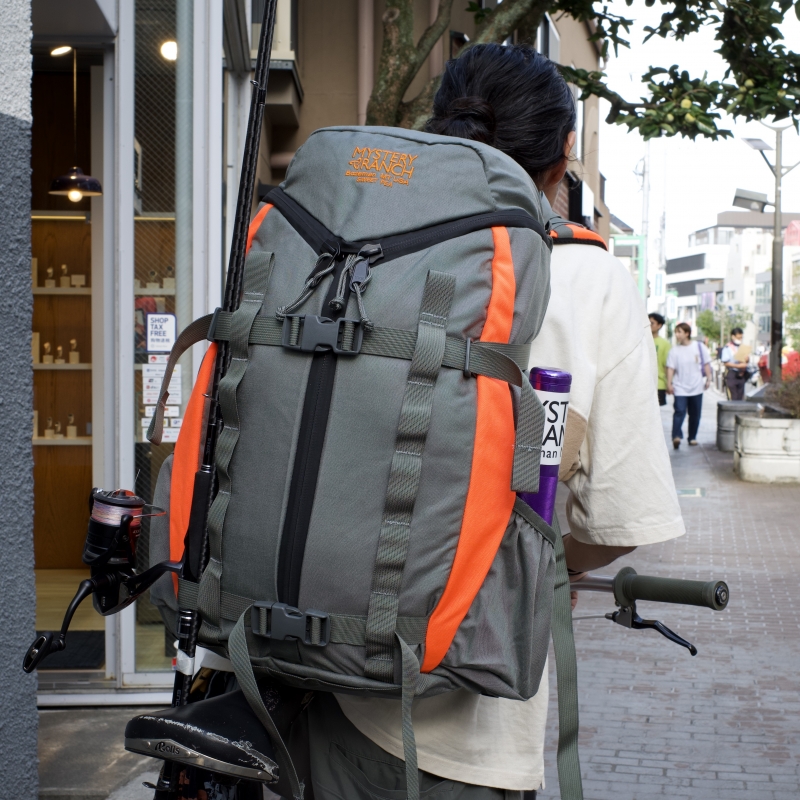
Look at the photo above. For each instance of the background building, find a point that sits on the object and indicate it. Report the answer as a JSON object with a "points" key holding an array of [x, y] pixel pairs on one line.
{"points": [[734, 259]]}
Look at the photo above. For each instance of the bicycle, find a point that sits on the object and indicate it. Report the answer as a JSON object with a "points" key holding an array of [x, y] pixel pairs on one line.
{"points": [[216, 767]]}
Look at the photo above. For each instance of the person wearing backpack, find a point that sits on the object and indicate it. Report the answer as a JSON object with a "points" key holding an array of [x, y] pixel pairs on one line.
{"points": [[688, 376], [615, 463]]}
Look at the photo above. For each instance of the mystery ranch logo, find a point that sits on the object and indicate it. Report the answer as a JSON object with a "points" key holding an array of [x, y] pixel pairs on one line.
{"points": [[555, 423], [380, 166]]}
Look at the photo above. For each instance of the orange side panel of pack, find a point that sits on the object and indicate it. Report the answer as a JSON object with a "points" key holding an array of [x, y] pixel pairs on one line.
{"points": [[489, 497]]}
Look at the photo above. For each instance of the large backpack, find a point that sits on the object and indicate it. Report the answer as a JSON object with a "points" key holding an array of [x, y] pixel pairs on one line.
{"points": [[366, 536]]}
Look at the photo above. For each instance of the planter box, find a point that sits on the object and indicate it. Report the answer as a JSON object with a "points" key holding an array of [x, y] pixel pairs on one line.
{"points": [[767, 449], [726, 420]]}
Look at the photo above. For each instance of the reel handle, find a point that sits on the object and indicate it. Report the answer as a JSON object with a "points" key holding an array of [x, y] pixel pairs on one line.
{"points": [[40, 649], [48, 642]]}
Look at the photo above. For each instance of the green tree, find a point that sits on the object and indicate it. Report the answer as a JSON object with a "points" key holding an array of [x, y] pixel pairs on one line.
{"points": [[792, 326], [709, 323], [762, 77]]}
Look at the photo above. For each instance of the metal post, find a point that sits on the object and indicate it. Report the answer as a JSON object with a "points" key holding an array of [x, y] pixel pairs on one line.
{"points": [[776, 335]]}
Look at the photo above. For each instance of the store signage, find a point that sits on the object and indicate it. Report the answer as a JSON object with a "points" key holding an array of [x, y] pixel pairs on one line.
{"points": [[160, 332]]}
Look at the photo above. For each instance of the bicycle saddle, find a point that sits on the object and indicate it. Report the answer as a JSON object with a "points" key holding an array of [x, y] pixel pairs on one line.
{"points": [[221, 735]]}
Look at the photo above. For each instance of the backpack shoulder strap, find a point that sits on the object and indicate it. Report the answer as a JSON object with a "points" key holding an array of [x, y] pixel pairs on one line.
{"points": [[563, 232]]}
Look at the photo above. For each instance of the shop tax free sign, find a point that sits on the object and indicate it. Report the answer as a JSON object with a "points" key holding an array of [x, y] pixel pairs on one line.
{"points": [[160, 332], [555, 423]]}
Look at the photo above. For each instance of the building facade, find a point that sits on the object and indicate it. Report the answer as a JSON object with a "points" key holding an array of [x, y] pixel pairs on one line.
{"points": [[731, 264], [151, 98]]}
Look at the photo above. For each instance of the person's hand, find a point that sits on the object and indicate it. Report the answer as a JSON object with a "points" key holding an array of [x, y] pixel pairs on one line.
{"points": [[574, 578], [669, 389], [708, 382]]}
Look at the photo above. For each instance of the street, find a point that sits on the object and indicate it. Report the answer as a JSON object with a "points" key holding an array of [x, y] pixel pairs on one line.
{"points": [[654, 720]]}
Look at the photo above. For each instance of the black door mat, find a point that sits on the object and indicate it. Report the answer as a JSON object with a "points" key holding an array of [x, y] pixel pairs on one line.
{"points": [[85, 650]]}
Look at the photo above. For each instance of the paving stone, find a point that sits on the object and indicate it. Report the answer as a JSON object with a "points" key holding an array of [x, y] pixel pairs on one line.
{"points": [[725, 722]]}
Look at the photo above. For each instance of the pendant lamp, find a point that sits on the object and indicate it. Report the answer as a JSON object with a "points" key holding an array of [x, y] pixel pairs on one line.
{"points": [[75, 184]]}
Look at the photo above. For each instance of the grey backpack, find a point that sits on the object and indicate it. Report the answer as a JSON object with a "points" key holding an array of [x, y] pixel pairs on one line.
{"points": [[366, 535]]}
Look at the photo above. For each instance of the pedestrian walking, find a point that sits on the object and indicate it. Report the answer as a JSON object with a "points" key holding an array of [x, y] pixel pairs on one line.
{"points": [[736, 370], [688, 376], [663, 346]]}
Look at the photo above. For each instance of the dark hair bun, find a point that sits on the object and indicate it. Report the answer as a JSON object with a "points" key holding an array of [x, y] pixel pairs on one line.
{"points": [[511, 98], [468, 118]]}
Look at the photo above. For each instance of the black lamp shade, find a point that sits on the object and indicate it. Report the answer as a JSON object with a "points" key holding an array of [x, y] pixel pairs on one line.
{"points": [[76, 180]]}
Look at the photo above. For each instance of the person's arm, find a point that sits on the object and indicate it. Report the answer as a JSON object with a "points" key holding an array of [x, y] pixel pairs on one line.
{"points": [[583, 557], [670, 375]]}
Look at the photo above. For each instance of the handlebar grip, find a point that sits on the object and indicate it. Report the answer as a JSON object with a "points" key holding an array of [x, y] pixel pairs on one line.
{"points": [[628, 586]]}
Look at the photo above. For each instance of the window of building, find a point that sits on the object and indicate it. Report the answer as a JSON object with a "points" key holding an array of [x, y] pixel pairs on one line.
{"points": [[731, 295], [763, 293]]}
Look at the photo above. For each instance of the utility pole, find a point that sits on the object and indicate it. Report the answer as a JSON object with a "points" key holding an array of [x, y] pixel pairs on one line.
{"points": [[756, 202], [643, 260], [776, 332]]}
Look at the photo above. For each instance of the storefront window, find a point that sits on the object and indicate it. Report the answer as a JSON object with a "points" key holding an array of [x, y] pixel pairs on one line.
{"points": [[163, 299]]}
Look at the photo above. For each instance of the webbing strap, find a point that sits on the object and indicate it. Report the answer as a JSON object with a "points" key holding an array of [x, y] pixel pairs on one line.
{"points": [[190, 335], [256, 277], [506, 362], [345, 628], [410, 676], [243, 669], [404, 474], [569, 766]]}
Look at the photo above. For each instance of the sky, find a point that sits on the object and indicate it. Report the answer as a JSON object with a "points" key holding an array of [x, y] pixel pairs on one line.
{"points": [[690, 181]]}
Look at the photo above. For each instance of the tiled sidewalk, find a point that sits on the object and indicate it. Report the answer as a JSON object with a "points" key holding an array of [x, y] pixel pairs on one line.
{"points": [[725, 724]]}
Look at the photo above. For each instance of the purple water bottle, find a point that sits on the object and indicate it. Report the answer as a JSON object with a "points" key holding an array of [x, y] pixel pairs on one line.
{"points": [[552, 386]]}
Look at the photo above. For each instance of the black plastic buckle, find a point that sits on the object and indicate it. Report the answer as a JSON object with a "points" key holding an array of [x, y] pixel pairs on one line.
{"points": [[286, 622], [321, 332]]}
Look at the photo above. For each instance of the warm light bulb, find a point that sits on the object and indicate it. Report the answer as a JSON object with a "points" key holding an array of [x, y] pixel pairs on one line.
{"points": [[75, 195], [60, 51], [170, 50]]}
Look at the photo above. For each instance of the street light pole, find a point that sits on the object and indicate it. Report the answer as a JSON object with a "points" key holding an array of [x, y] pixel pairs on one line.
{"points": [[776, 331], [756, 202]]}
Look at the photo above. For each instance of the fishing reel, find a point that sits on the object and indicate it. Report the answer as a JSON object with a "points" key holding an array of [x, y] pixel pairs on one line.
{"points": [[115, 522]]}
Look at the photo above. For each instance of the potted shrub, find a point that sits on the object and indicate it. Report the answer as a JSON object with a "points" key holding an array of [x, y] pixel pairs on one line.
{"points": [[767, 446]]}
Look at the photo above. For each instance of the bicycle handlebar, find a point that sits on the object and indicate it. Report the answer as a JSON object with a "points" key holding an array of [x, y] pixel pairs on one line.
{"points": [[628, 587]]}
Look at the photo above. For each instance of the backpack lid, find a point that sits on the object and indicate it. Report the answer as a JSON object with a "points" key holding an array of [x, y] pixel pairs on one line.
{"points": [[364, 183]]}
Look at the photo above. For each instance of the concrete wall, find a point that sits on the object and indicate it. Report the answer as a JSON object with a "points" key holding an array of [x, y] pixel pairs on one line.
{"points": [[18, 718]]}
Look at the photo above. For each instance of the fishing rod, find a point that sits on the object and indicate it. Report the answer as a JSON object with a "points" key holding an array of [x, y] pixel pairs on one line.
{"points": [[205, 483]]}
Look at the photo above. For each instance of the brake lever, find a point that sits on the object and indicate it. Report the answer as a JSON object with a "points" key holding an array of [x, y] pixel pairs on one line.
{"points": [[629, 618]]}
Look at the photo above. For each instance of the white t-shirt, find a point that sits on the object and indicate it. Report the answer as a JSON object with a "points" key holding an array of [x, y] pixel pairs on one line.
{"points": [[688, 361], [616, 465]]}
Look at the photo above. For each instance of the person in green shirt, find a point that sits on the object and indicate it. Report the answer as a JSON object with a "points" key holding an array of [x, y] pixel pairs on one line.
{"points": [[662, 350]]}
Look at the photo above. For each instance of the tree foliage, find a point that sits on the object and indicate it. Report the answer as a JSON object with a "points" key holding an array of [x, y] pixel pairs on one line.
{"points": [[762, 78], [710, 323]]}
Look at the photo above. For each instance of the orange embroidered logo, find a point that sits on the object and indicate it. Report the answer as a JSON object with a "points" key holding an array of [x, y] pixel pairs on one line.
{"points": [[370, 166]]}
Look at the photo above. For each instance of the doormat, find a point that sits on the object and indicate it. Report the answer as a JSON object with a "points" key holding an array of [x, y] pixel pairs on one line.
{"points": [[85, 650]]}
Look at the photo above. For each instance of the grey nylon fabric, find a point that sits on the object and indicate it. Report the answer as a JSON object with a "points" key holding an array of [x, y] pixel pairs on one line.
{"points": [[501, 645], [259, 265], [162, 592], [405, 472], [451, 178]]}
